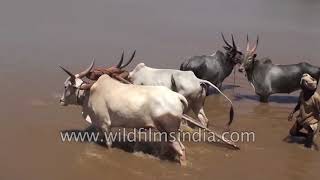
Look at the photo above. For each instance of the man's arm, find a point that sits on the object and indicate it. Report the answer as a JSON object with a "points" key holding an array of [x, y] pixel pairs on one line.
{"points": [[297, 107], [294, 110], [318, 104]]}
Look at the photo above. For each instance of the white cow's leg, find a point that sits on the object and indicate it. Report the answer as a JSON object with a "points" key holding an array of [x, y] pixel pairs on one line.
{"points": [[201, 117], [106, 131], [94, 120], [103, 125], [180, 150], [183, 158], [197, 108], [170, 125], [185, 112], [163, 149]]}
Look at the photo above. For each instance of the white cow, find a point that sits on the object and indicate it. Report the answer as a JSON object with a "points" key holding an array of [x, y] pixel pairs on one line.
{"points": [[108, 103], [183, 82]]}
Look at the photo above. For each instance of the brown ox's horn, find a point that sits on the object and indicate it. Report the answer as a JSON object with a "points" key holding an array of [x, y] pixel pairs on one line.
{"points": [[255, 46], [85, 72], [121, 60], [233, 43], [68, 72], [224, 39], [132, 56]]}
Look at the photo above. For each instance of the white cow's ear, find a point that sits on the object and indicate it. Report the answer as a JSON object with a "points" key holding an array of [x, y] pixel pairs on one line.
{"points": [[88, 119], [141, 65], [78, 83], [138, 67]]}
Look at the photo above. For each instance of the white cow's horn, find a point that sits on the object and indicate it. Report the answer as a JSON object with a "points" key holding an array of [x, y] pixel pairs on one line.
{"points": [[85, 72], [68, 72]]}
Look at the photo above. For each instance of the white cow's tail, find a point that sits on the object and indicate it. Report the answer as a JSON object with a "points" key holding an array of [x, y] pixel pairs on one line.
{"points": [[231, 113], [184, 102]]}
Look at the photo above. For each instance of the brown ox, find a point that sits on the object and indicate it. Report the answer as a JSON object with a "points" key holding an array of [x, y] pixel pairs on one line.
{"points": [[115, 72]]}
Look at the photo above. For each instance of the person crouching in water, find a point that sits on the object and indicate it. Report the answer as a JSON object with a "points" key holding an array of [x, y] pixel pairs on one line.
{"points": [[309, 107]]}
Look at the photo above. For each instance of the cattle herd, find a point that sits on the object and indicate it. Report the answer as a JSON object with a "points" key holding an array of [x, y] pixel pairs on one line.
{"points": [[160, 98]]}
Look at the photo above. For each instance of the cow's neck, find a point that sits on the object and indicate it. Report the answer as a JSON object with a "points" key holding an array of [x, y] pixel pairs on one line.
{"points": [[227, 64], [82, 96], [250, 72]]}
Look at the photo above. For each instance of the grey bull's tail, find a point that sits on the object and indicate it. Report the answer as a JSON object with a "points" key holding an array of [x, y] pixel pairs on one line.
{"points": [[231, 113]]}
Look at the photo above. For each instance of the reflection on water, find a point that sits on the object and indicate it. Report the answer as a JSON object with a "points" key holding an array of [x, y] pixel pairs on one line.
{"points": [[37, 36]]}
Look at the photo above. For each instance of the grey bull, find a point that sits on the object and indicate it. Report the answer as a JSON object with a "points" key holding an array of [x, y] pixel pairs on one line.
{"points": [[267, 78], [183, 82], [216, 67]]}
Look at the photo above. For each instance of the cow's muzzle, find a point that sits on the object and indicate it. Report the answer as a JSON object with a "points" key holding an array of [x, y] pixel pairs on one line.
{"points": [[241, 69], [62, 103]]}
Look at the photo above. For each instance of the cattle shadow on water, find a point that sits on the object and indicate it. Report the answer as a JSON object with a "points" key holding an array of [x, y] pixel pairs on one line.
{"points": [[156, 149], [229, 86], [149, 148], [272, 99]]}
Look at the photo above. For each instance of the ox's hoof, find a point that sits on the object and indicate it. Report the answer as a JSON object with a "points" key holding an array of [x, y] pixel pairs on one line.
{"points": [[183, 161], [264, 99]]}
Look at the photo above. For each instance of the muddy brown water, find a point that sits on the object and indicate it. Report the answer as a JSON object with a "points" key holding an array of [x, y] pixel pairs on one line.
{"points": [[36, 36]]}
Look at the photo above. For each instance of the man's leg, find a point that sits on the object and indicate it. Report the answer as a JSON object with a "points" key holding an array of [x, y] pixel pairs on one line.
{"points": [[309, 141], [313, 130], [295, 130]]}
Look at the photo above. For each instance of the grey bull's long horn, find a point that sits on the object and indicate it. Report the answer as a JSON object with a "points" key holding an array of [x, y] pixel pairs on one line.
{"points": [[248, 45], [231, 113], [256, 45], [233, 43], [130, 60], [224, 39], [68, 72], [85, 72], [121, 60]]}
